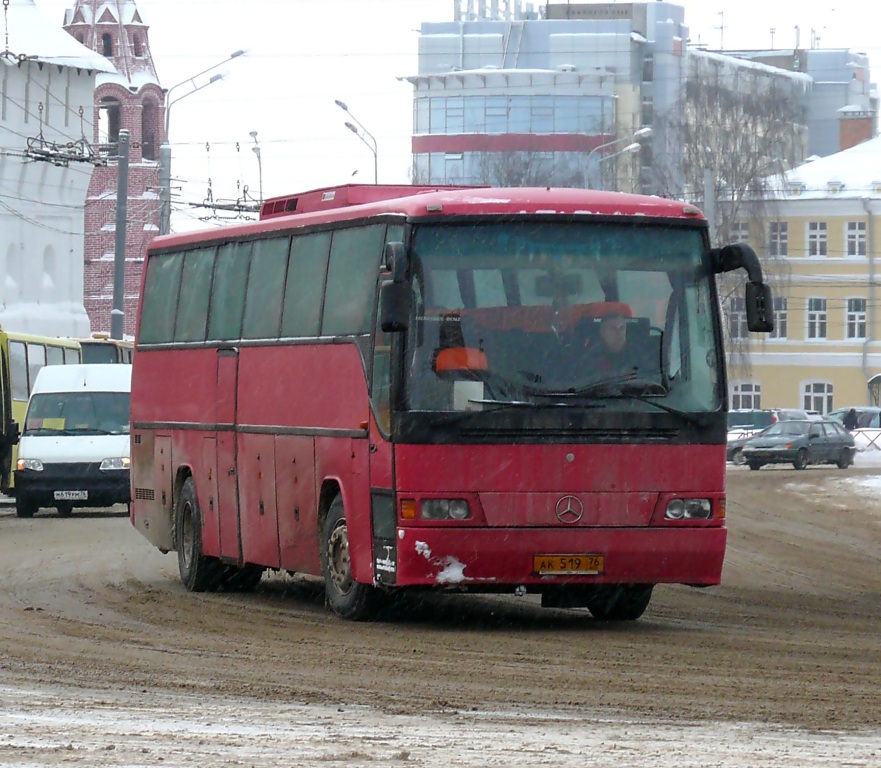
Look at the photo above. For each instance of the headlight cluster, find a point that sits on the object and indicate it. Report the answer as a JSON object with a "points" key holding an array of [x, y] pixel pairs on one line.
{"points": [[33, 464], [112, 464], [689, 509], [436, 509]]}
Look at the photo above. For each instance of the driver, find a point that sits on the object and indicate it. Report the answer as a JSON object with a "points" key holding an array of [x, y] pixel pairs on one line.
{"points": [[608, 356]]}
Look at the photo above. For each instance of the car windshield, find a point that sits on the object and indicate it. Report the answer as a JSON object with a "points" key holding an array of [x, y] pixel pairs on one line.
{"points": [[749, 419], [517, 311], [797, 428], [72, 412]]}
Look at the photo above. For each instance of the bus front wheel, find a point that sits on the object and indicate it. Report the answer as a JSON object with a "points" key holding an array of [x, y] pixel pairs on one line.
{"points": [[621, 602], [345, 596], [197, 572]]}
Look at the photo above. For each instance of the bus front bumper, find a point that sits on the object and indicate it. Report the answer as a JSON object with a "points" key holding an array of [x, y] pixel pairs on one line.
{"points": [[497, 557]]}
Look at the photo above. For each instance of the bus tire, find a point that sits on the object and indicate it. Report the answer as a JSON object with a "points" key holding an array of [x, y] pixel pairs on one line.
{"points": [[345, 596], [24, 507], [197, 572], [622, 602]]}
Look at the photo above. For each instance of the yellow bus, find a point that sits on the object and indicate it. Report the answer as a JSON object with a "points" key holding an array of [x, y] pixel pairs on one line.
{"points": [[22, 355], [100, 348]]}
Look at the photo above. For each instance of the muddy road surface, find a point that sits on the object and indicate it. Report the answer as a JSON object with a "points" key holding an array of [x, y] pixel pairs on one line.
{"points": [[107, 660]]}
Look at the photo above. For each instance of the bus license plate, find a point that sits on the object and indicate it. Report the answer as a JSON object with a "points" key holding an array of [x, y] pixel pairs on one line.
{"points": [[565, 565], [71, 495]]}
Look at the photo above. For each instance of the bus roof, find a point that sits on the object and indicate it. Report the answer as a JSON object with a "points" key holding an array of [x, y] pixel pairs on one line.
{"points": [[358, 201]]}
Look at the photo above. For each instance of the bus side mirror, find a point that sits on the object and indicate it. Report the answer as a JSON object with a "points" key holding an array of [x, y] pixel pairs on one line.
{"points": [[394, 297], [396, 261], [394, 307], [759, 308]]}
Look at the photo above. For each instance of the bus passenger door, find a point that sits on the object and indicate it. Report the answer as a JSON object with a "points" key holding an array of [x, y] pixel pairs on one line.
{"points": [[227, 468]]}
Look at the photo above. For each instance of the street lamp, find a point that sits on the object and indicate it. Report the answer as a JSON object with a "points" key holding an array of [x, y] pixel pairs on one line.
{"points": [[356, 127], [165, 149], [642, 133], [256, 150]]}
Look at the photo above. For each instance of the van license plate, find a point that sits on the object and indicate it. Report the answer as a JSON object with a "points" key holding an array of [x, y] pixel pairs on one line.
{"points": [[566, 565], [71, 495]]}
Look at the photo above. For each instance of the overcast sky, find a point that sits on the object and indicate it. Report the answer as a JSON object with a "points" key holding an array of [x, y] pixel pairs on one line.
{"points": [[304, 54]]}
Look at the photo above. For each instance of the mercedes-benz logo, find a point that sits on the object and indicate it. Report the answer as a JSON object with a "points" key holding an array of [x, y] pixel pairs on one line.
{"points": [[569, 509]]}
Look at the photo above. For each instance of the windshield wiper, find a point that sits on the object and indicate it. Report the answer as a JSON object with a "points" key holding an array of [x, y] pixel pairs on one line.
{"points": [[692, 418], [607, 389]]}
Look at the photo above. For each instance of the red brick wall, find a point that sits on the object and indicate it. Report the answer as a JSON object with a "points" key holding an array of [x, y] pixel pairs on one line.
{"points": [[142, 208]]}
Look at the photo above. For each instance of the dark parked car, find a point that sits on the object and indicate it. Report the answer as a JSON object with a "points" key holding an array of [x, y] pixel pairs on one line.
{"points": [[802, 442], [868, 416], [736, 441]]}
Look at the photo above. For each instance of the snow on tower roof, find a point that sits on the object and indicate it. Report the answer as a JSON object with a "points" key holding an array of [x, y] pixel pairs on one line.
{"points": [[32, 37]]}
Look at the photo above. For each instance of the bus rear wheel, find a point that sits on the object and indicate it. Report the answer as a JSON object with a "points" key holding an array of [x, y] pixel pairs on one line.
{"points": [[345, 596], [197, 572], [621, 602]]}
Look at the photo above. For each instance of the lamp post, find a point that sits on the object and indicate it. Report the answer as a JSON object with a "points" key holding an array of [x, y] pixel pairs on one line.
{"points": [[356, 127], [165, 149], [256, 150], [632, 147]]}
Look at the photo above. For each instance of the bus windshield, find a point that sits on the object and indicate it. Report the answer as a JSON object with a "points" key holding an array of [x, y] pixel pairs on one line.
{"points": [[527, 312]]}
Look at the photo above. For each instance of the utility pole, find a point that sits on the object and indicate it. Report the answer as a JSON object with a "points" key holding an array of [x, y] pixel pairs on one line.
{"points": [[117, 314]]}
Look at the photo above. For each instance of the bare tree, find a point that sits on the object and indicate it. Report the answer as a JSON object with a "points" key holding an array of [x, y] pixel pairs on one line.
{"points": [[742, 125]]}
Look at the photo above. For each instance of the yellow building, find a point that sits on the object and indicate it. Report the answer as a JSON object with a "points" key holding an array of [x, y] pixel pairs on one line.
{"points": [[821, 234]]}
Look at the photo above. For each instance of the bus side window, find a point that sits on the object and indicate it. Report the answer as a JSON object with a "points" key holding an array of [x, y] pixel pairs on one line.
{"points": [[355, 255], [18, 367], [228, 292], [36, 361], [54, 356]]}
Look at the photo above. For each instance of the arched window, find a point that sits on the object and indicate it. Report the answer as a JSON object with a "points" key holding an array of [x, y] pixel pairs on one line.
{"points": [[108, 123], [818, 396], [137, 47], [106, 44], [746, 394], [50, 276], [149, 129]]}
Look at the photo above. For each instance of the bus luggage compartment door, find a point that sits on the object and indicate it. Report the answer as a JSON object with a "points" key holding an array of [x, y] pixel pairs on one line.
{"points": [[227, 476]]}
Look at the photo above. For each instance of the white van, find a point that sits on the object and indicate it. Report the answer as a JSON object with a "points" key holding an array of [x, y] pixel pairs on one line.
{"points": [[74, 448]]}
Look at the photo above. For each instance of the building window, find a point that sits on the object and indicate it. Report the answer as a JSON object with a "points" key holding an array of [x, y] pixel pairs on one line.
{"points": [[817, 238], [778, 238], [780, 318], [856, 238], [746, 394], [739, 232], [816, 318], [106, 44], [818, 396], [737, 328], [856, 319]]}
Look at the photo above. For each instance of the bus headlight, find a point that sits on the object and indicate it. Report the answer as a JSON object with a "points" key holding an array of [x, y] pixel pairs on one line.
{"points": [[33, 464], [108, 465], [444, 509], [689, 509]]}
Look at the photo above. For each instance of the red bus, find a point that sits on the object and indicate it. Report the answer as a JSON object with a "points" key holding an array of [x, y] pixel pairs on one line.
{"points": [[392, 388]]}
